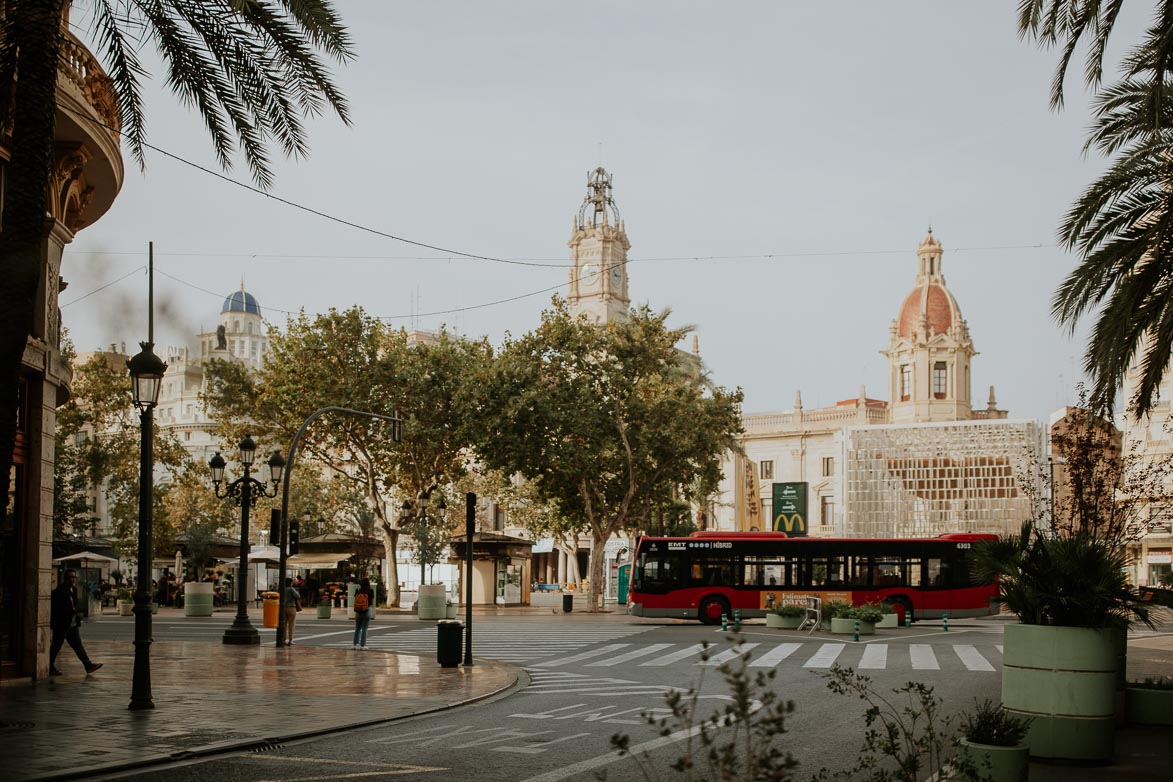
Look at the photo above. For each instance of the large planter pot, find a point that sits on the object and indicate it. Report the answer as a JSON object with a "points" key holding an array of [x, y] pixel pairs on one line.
{"points": [[197, 598], [125, 607], [1064, 679], [889, 621], [1148, 707], [773, 620], [997, 764], [432, 602], [867, 628], [450, 612], [324, 609], [842, 626]]}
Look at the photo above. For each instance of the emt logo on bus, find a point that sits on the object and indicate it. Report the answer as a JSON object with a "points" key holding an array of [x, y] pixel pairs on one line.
{"points": [[789, 509]]}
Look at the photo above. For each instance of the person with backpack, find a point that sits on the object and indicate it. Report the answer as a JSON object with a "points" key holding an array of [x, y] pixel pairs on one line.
{"points": [[364, 604]]}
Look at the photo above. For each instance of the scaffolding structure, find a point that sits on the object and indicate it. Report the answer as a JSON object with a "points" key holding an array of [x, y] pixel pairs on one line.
{"points": [[924, 480]]}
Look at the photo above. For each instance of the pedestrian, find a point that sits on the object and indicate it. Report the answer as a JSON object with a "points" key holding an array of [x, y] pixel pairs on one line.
{"points": [[311, 588], [292, 606], [65, 624], [364, 608]]}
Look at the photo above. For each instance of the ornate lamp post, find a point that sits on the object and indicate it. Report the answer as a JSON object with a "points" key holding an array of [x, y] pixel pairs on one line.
{"points": [[146, 374], [244, 491]]}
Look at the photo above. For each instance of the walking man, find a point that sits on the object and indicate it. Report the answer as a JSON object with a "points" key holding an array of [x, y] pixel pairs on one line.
{"points": [[65, 623]]}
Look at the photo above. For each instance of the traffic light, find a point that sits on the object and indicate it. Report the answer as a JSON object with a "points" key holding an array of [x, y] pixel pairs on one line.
{"points": [[275, 527], [294, 536]]}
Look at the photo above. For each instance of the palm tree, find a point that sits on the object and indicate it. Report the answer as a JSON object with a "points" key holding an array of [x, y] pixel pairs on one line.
{"points": [[252, 68]]}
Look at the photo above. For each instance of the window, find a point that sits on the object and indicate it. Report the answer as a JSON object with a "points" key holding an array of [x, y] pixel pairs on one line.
{"points": [[940, 380], [827, 511], [249, 326], [828, 466], [498, 518], [905, 382], [767, 469]]}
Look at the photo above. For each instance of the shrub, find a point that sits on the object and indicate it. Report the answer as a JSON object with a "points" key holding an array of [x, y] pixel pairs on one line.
{"points": [[990, 724], [789, 610], [869, 612], [837, 609], [124, 594], [1150, 683]]}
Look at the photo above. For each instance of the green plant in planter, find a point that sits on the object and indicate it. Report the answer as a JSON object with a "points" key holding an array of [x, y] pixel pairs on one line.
{"points": [[989, 723], [837, 609], [788, 610], [124, 594], [868, 612]]}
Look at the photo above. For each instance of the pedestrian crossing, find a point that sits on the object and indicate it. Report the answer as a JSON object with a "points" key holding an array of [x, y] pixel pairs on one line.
{"points": [[602, 647]]}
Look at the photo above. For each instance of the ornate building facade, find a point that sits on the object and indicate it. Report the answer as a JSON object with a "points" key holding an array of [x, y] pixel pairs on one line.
{"points": [[598, 254]]}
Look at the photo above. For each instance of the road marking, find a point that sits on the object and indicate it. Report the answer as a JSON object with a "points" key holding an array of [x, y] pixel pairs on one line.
{"points": [[875, 656], [825, 657], [631, 655], [775, 656], [972, 658], [923, 658], [728, 655], [540, 747], [998, 647], [349, 632], [391, 769], [584, 656], [668, 659]]}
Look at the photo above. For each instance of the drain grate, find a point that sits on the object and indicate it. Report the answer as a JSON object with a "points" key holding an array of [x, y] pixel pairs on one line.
{"points": [[268, 746], [5, 726]]}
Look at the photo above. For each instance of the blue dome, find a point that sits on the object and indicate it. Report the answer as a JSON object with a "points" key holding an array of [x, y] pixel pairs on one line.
{"points": [[240, 301]]}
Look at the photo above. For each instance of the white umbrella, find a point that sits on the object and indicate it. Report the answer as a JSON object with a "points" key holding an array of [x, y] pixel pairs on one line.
{"points": [[85, 556], [179, 564]]}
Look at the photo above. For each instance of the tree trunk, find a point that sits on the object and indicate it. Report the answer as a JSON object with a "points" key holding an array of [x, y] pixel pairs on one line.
{"points": [[598, 559], [392, 566], [35, 27]]}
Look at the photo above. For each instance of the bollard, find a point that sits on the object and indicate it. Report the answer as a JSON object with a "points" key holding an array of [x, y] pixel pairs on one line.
{"points": [[737, 620], [856, 635], [945, 620], [724, 622]]}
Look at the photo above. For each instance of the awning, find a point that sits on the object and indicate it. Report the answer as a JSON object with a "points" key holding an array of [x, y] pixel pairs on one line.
{"points": [[544, 546], [85, 556], [316, 560]]}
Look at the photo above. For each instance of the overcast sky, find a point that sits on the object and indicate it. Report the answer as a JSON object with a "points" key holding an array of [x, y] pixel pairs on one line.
{"points": [[776, 164]]}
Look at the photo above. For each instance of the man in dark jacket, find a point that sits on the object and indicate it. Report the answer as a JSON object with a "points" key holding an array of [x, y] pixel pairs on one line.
{"points": [[65, 622]]}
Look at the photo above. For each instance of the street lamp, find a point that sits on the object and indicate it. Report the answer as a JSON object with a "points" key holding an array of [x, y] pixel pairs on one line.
{"points": [[244, 491], [146, 375]]}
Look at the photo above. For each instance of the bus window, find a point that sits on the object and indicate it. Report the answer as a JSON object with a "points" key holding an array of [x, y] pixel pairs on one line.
{"points": [[912, 571], [759, 571], [934, 572], [886, 572], [659, 572], [711, 571], [827, 572], [858, 570]]}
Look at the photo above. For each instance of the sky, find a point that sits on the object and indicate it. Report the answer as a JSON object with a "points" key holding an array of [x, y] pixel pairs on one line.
{"points": [[776, 164]]}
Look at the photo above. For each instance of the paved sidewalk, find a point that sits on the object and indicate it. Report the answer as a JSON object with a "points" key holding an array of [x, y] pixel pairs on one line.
{"points": [[211, 698]]}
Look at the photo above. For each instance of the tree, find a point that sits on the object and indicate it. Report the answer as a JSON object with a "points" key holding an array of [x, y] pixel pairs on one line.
{"points": [[1121, 224], [100, 439], [251, 69], [610, 423], [349, 359]]}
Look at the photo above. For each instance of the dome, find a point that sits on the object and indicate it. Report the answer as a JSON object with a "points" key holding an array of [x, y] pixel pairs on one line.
{"points": [[241, 301], [935, 303]]}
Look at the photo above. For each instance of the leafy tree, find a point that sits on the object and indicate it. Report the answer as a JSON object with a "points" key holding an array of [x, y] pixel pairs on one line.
{"points": [[349, 359], [99, 429], [253, 70], [610, 423]]}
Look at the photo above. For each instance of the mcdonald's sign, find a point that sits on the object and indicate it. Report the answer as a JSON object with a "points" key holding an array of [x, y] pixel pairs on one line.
{"points": [[789, 509]]}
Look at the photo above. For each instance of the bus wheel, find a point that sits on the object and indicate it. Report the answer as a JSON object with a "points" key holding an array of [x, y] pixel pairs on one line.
{"points": [[902, 601], [711, 609]]}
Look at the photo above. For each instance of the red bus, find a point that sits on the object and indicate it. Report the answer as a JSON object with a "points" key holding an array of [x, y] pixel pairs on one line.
{"points": [[712, 573]]}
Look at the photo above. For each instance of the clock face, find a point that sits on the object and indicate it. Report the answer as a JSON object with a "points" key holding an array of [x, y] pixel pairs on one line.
{"points": [[616, 276], [588, 276]]}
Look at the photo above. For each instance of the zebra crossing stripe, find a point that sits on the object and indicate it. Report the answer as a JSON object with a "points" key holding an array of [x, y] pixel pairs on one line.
{"points": [[923, 658], [972, 658], [998, 647], [584, 656], [728, 655], [775, 656], [668, 659], [633, 655], [875, 656], [825, 657]]}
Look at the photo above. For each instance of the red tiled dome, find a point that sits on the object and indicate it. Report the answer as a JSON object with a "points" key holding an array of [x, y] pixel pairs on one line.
{"points": [[935, 302]]}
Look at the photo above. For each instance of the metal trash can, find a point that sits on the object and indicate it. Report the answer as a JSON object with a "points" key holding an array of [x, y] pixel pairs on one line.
{"points": [[449, 635], [568, 603], [272, 608]]}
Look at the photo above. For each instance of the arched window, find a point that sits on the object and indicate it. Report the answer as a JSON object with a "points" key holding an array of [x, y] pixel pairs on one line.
{"points": [[940, 379], [905, 382]]}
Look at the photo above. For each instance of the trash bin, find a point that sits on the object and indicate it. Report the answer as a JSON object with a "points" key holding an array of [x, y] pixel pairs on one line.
{"points": [[449, 634], [272, 608], [568, 603]]}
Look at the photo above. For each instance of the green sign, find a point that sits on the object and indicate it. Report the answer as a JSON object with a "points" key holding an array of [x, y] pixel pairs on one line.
{"points": [[789, 509]]}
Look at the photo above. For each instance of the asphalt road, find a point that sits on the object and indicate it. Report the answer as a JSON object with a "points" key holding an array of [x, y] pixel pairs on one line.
{"points": [[590, 679]]}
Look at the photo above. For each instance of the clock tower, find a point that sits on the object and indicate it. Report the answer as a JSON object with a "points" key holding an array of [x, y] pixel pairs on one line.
{"points": [[598, 255]]}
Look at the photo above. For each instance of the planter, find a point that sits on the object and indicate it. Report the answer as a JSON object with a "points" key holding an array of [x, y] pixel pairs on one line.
{"points": [[432, 602], [154, 608], [125, 607], [997, 764], [842, 626], [889, 621], [867, 628], [450, 612], [1148, 707], [197, 598], [783, 622], [324, 610], [1064, 679]]}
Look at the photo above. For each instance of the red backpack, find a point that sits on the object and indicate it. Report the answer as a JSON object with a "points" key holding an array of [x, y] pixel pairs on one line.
{"points": [[361, 601]]}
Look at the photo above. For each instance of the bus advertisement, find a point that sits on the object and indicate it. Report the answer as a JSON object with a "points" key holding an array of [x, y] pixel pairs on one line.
{"points": [[712, 573]]}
